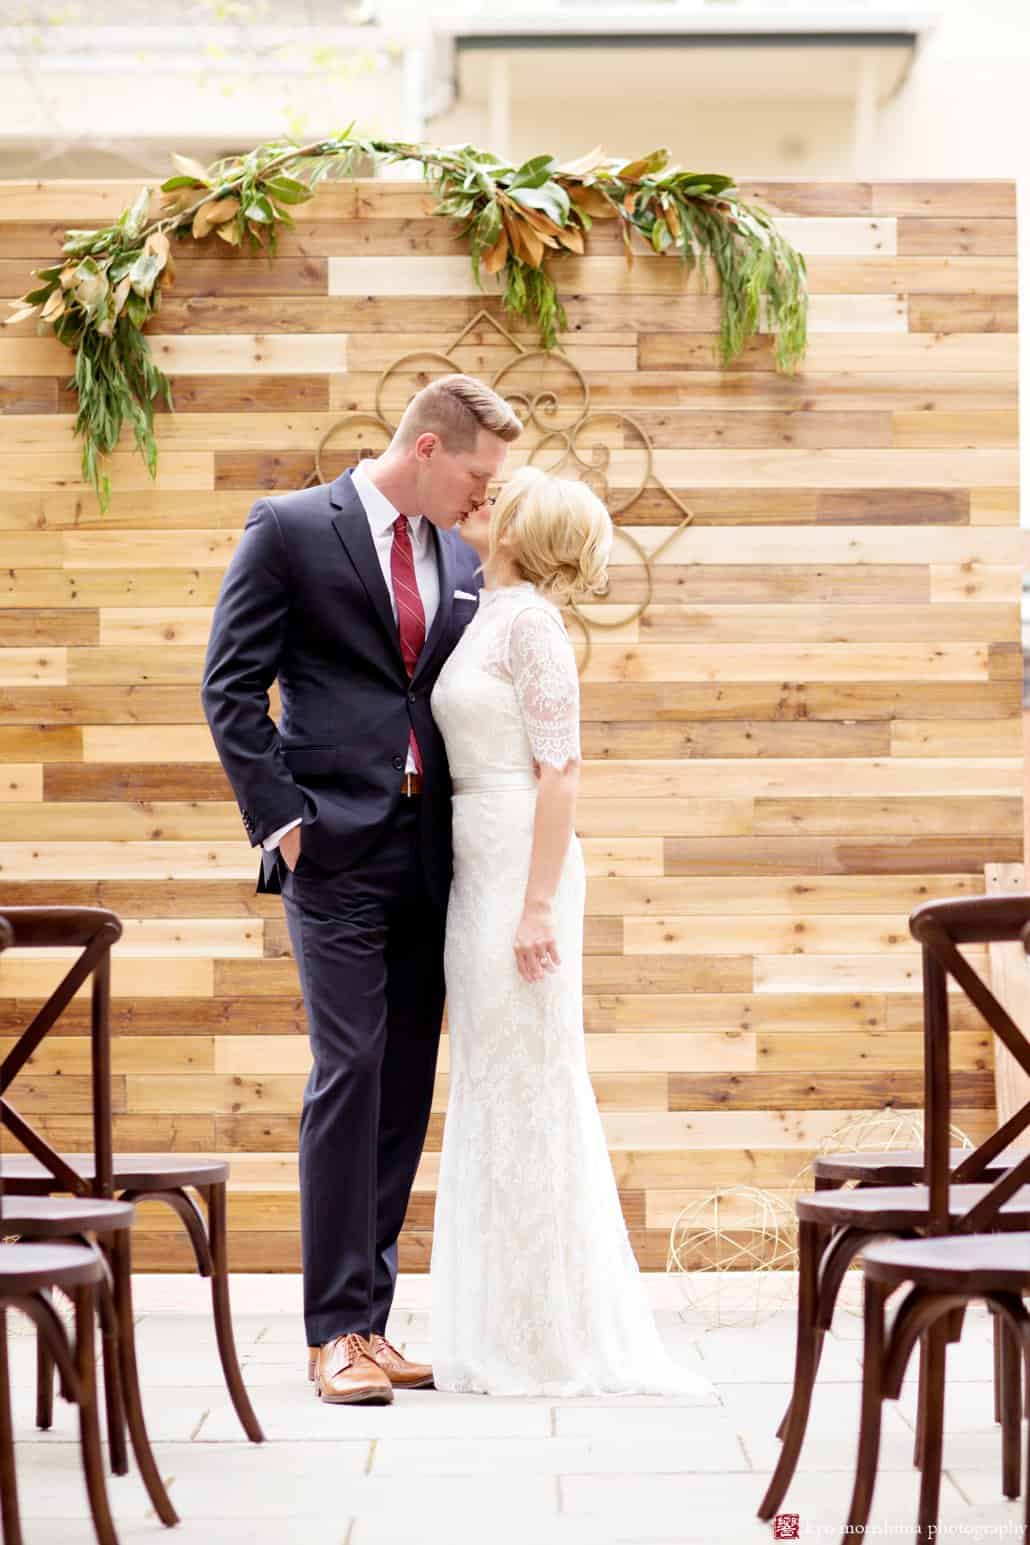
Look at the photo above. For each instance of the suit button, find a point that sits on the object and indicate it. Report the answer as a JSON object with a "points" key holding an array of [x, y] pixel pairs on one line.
{"points": [[398, 762], [412, 696]]}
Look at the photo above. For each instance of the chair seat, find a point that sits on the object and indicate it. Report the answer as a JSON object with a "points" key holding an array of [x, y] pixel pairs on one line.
{"points": [[30, 1268], [971, 1262], [896, 1208], [55, 1217], [132, 1172], [899, 1167]]}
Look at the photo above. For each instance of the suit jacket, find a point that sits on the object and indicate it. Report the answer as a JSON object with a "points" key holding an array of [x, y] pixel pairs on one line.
{"points": [[304, 601]]}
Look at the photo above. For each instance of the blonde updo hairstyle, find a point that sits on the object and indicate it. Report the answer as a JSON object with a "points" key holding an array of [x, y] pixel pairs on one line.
{"points": [[557, 532]]}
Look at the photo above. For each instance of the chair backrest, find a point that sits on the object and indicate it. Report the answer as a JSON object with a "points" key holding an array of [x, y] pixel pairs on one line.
{"points": [[93, 930], [942, 927]]}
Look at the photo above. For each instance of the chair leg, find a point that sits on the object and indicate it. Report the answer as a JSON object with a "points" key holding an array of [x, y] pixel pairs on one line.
{"points": [[1010, 1394], [89, 1424], [934, 1348], [917, 1449], [10, 1517], [218, 1234], [996, 1329], [125, 1342], [114, 1403], [874, 1315], [1024, 1357], [44, 1384], [806, 1363]]}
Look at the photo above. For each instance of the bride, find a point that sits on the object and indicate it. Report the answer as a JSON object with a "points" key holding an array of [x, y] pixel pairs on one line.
{"points": [[535, 1290]]}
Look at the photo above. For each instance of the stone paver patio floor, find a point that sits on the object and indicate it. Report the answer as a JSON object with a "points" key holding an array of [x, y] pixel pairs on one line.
{"points": [[468, 1470]]}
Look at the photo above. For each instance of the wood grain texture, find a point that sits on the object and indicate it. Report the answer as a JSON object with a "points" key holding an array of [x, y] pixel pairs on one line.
{"points": [[813, 727]]}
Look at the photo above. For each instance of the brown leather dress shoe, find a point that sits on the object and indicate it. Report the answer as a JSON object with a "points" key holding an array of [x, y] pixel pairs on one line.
{"points": [[347, 1374], [401, 1373]]}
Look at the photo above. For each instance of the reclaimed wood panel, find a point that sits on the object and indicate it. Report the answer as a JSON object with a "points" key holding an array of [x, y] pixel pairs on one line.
{"points": [[813, 727]]}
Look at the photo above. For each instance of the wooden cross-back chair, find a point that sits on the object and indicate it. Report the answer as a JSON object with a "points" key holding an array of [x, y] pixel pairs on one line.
{"points": [[29, 1274], [964, 1256], [90, 1213], [984, 1189], [167, 1178]]}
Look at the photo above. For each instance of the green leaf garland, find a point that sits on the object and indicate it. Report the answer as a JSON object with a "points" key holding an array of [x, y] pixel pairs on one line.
{"points": [[518, 220]]}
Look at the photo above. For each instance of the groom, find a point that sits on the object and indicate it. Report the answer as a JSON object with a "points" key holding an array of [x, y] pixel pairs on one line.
{"points": [[353, 595]]}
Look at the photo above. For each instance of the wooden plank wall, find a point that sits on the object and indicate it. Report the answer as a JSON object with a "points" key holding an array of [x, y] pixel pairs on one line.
{"points": [[815, 726]]}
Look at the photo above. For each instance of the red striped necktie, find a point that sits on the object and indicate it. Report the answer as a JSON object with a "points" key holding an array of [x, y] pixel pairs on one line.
{"points": [[411, 615]]}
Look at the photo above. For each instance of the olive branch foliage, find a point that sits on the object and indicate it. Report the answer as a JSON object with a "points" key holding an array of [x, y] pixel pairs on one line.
{"points": [[517, 220]]}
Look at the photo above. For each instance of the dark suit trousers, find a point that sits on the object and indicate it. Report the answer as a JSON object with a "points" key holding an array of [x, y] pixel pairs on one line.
{"points": [[369, 951]]}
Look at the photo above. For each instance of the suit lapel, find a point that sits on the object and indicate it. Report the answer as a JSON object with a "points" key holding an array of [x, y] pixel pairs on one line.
{"points": [[445, 569], [352, 527]]}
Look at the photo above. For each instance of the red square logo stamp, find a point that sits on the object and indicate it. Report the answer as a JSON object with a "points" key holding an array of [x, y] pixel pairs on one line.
{"points": [[787, 1526]]}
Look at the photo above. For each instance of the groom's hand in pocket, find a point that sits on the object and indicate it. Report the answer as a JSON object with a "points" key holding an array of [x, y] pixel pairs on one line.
{"points": [[289, 847], [536, 948]]}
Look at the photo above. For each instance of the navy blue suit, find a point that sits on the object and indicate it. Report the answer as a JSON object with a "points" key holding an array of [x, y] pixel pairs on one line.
{"points": [[304, 602]]}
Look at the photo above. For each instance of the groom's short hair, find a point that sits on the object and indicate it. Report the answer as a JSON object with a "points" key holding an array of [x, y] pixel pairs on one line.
{"points": [[455, 408]]}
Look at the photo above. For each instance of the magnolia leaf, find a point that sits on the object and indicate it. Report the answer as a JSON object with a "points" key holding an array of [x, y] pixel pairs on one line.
{"points": [[550, 198], [592, 201], [20, 314], [701, 182], [583, 165], [176, 203], [143, 273], [157, 243], [494, 260], [53, 307], [528, 243], [136, 309], [261, 210], [661, 236], [76, 235], [191, 168], [488, 226], [634, 170], [136, 216], [517, 237], [541, 223], [287, 190], [215, 213], [486, 157], [91, 285], [230, 232], [532, 173], [571, 237], [120, 294]]}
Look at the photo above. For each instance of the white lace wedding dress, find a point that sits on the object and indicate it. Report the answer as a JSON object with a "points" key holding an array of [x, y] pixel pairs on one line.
{"points": [[535, 1290]]}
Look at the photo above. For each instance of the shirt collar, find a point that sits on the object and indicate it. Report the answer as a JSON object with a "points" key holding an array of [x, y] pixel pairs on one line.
{"points": [[381, 513]]}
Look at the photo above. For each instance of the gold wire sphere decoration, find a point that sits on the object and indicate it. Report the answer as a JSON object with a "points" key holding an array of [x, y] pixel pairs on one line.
{"points": [[736, 1253], [880, 1131]]}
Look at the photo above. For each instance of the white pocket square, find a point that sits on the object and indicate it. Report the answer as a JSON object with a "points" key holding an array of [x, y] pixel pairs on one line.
{"points": [[464, 595]]}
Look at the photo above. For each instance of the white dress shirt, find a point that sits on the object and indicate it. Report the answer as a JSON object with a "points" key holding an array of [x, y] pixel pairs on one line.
{"points": [[381, 516]]}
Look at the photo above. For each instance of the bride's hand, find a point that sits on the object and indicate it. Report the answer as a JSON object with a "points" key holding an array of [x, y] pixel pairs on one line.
{"points": [[536, 948]]}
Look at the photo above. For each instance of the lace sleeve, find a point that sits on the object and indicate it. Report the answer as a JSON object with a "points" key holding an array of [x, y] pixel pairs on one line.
{"points": [[546, 682]]}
